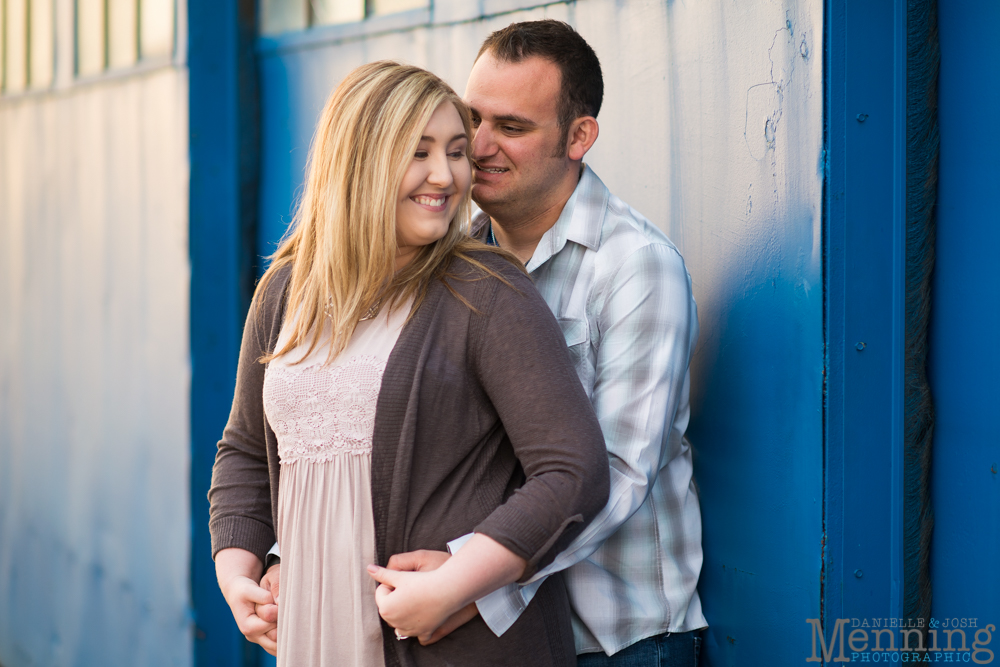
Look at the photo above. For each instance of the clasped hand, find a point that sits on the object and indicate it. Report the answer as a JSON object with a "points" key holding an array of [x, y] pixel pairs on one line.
{"points": [[411, 597], [254, 605], [417, 598]]}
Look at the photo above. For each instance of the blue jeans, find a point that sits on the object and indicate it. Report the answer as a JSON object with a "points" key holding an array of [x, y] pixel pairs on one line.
{"points": [[679, 649]]}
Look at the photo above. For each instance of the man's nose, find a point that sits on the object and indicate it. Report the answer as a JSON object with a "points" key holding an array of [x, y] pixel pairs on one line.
{"points": [[483, 142]]}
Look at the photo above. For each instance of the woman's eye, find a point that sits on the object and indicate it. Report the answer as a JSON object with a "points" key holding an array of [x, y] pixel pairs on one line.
{"points": [[420, 155], [457, 155]]}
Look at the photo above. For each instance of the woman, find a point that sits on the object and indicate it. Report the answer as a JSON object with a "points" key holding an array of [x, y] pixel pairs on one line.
{"points": [[401, 385]]}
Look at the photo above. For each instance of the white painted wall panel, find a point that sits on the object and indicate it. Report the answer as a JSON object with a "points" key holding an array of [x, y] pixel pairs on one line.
{"points": [[683, 81], [94, 375]]}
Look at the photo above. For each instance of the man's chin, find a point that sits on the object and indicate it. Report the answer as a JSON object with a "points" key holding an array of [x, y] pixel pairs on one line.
{"points": [[484, 196]]}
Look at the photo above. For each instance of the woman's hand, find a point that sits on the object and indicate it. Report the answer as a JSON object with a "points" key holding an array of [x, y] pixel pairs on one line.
{"points": [[238, 572], [424, 560], [269, 612], [415, 603], [419, 603]]}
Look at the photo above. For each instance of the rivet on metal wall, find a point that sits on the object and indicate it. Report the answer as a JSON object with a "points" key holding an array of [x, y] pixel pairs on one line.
{"points": [[860, 346], [859, 574], [862, 117]]}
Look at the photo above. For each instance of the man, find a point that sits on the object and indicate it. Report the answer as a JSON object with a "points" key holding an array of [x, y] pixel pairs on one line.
{"points": [[622, 295]]}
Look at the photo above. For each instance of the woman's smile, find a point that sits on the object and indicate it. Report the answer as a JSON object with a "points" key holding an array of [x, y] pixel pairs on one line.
{"points": [[435, 203]]}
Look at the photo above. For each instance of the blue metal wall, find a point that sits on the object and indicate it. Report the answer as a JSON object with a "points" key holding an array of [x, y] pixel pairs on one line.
{"points": [[965, 356]]}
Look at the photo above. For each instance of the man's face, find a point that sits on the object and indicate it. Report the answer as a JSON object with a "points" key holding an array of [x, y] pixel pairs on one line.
{"points": [[517, 162]]}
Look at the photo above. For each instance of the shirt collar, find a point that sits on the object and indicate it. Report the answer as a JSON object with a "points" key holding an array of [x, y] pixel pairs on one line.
{"points": [[580, 220]]}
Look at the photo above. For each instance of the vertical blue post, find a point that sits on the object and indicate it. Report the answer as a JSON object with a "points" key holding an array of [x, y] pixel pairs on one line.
{"points": [[223, 140], [865, 236], [964, 356]]}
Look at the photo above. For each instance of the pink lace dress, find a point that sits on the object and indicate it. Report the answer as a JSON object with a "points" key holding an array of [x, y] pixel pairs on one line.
{"points": [[323, 416]]}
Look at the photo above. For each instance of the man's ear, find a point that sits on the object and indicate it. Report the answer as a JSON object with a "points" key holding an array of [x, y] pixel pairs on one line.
{"points": [[582, 134]]}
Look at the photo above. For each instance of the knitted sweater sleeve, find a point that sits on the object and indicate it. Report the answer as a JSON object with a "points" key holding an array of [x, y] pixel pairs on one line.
{"points": [[240, 495], [523, 364]]}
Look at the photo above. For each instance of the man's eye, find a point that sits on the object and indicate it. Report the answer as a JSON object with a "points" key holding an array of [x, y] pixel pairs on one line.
{"points": [[512, 129], [476, 122]]}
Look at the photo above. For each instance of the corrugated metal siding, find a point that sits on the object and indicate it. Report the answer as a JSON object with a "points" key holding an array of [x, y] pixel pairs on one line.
{"points": [[94, 374]]}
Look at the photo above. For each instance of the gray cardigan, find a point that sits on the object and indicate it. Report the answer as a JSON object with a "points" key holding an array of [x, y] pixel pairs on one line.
{"points": [[481, 425]]}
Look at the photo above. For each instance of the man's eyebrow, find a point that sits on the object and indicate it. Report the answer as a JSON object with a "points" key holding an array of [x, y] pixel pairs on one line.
{"points": [[507, 118], [510, 118]]}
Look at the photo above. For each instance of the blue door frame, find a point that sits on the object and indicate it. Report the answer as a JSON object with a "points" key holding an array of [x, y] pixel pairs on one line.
{"points": [[223, 152], [865, 237]]}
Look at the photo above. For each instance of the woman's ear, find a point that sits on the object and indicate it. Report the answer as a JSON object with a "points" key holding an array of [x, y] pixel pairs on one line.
{"points": [[582, 134]]}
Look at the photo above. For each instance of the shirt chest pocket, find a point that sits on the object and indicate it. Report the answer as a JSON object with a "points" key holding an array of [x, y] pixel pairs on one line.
{"points": [[577, 335], [576, 332]]}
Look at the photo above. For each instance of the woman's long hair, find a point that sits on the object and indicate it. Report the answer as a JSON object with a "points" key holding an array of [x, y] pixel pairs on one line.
{"points": [[342, 246]]}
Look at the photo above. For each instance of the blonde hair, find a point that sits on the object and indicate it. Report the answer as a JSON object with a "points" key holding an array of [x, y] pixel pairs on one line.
{"points": [[342, 245]]}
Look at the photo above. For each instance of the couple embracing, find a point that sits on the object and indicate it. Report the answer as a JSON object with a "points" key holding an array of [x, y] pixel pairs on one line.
{"points": [[461, 442]]}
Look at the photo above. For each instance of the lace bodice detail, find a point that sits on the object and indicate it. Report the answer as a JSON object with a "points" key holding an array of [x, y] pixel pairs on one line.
{"points": [[320, 411]]}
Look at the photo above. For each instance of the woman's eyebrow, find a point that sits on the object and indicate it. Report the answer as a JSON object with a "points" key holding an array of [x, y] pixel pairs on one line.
{"points": [[462, 135]]}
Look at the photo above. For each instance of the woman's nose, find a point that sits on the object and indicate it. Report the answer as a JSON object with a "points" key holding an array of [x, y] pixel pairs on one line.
{"points": [[440, 172]]}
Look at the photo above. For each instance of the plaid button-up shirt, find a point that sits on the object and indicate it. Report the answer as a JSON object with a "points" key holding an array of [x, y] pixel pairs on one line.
{"points": [[621, 294]]}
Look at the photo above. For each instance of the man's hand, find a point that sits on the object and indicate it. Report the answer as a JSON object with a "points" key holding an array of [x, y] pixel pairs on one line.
{"points": [[269, 612], [426, 560], [454, 622], [238, 572], [423, 560]]}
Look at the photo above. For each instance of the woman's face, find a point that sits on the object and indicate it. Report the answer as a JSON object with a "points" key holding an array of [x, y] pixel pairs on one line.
{"points": [[438, 177]]}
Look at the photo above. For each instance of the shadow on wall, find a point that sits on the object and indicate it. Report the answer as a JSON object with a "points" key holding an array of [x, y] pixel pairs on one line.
{"points": [[756, 430]]}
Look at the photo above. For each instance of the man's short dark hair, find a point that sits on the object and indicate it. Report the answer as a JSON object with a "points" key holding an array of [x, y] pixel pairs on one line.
{"points": [[582, 88]]}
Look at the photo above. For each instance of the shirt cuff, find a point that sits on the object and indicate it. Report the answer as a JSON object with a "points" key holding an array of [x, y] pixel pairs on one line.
{"points": [[457, 543], [501, 608], [273, 556]]}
